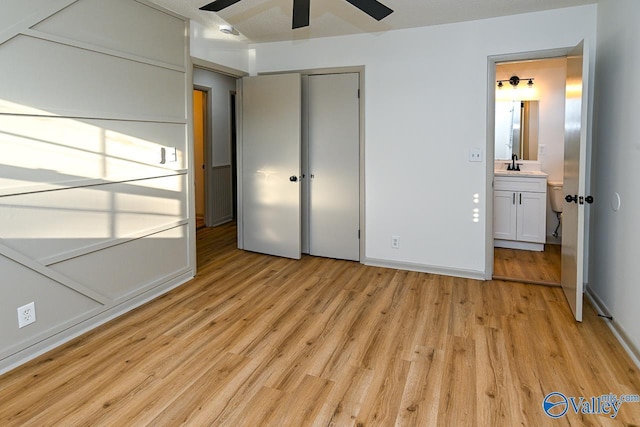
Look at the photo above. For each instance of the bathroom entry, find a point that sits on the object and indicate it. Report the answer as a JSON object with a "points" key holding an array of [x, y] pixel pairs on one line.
{"points": [[572, 172], [529, 123]]}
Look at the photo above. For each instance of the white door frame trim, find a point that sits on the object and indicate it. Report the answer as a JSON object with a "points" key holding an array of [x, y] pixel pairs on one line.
{"points": [[490, 149], [238, 74]]}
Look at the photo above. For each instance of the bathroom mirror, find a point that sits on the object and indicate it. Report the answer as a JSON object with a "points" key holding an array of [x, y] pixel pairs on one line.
{"points": [[516, 130]]}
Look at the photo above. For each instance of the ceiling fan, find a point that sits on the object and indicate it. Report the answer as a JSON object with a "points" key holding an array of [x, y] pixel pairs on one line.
{"points": [[373, 8]]}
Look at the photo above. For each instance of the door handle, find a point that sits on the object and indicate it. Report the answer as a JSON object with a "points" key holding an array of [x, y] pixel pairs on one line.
{"points": [[293, 178], [571, 198], [589, 199]]}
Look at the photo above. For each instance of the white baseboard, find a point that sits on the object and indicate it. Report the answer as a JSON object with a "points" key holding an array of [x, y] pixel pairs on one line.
{"points": [[75, 331], [616, 328], [422, 268]]}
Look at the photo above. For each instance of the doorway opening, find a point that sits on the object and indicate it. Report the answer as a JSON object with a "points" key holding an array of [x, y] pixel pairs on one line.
{"points": [[215, 133], [575, 174], [529, 127], [200, 115]]}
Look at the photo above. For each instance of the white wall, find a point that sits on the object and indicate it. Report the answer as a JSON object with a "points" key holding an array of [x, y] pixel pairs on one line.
{"points": [[549, 89], [426, 106], [616, 244], [92, 223], [229, 54]]}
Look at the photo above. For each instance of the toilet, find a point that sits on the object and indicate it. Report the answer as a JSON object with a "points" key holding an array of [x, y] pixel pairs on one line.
{"points": [[556, 196]]}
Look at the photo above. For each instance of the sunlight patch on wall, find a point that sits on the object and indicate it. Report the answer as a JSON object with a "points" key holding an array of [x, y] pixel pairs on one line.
{"points": [[56, 150]]}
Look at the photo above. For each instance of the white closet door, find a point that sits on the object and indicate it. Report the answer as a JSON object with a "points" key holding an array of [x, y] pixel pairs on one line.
{"points": [[334, 189], [271, 132]]}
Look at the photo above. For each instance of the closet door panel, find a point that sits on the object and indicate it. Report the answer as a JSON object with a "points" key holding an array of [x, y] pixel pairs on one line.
{"points": [[271, 131], [334, 207]]}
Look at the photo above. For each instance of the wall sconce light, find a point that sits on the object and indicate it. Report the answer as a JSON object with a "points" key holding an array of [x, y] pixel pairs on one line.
{"points": [[515, 81]]}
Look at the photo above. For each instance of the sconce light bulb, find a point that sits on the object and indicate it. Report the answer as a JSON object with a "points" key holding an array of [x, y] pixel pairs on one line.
{"points": [[530, 84]]}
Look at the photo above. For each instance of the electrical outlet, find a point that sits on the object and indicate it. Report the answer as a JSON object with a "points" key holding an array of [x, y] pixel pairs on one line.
{"points": [[395, 242], [475, 155], [26, 314]]}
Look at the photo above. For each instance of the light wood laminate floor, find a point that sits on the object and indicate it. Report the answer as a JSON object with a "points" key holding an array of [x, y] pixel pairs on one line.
{"points": [[541, 268], [255, 340]]}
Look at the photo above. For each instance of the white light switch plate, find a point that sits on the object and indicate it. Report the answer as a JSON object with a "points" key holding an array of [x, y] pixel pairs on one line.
{"points": [[172, 154]]}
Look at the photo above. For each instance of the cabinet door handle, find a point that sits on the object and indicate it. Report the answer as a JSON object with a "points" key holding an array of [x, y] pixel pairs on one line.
{"points": [[520, 198], [514, 198]]}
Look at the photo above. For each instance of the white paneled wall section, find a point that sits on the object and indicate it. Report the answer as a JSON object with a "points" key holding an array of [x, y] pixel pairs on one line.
{"points": [[94, 193]]}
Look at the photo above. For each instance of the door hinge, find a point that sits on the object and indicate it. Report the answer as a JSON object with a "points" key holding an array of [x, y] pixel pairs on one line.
{"points": [[358, 93], [358, 234]]}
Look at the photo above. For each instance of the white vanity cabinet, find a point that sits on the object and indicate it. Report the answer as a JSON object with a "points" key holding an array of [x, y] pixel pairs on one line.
{"points": [[520, 211]]}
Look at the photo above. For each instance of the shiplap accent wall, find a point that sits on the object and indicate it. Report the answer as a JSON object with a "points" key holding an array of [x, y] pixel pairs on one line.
{"points": [[94, 174]]}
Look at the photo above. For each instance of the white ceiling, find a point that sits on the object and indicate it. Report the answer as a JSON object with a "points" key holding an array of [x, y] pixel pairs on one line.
{"points": [[270, 20]]}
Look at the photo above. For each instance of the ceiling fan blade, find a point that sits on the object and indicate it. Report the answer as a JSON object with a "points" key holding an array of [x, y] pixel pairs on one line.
{"points": [[300, 13], [373, 8], [218, 5]]}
